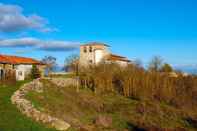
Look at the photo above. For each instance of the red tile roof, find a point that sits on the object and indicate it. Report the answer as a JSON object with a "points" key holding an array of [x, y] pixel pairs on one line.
{"points": [[113, 57], [5, 59]]}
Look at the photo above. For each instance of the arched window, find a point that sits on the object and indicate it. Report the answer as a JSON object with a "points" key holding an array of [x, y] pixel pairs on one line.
{"points": [[85, 49], [90, 49]]}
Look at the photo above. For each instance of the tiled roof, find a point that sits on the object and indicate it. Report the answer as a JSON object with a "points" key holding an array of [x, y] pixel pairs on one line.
{"points": [[95, 43], [113, 57], [117, 56], [17, 60]]}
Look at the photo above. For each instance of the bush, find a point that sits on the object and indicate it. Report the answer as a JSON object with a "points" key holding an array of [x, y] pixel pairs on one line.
{"points": [[166, 68], [138, 83], [35, 73]]}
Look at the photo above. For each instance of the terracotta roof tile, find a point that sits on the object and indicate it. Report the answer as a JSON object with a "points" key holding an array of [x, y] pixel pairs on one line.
{"points": [[117, 56], [17, 60], [113, 57]]}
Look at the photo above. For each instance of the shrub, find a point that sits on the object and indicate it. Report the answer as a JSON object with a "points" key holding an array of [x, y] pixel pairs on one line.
{"points": [[166, 68], [35, 73], [137, 83]]}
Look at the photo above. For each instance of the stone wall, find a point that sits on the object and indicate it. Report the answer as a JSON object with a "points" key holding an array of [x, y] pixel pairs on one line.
{"points": [[1, 66], [27, 108], [62, 82]]}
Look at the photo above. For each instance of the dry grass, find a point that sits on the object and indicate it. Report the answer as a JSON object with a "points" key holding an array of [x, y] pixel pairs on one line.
{"points": [[81, 108], [140, 84]]}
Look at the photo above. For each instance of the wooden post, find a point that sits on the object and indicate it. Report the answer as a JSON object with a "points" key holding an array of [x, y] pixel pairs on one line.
{"points": [[77, 84]]}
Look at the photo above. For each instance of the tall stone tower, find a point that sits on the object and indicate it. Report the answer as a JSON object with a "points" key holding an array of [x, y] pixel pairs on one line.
{"points": [[93, 53]]}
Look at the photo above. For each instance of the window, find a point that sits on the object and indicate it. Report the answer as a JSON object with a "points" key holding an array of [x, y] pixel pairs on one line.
{"points": [[90, 61], [85, 49], [90, 49], [13, 67], [20, 73]]}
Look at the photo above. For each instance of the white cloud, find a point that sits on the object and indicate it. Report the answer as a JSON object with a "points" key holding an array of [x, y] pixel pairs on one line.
{"points": [[12, 19], [59, 46], [21, 42], [38, 44]]}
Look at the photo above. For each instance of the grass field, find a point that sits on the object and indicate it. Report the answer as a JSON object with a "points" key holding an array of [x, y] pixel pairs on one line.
{"points": [[10, 118], [83, 107]]}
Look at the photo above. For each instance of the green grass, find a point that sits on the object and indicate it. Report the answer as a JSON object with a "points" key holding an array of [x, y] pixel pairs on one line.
{"points": [[10, 117], [81, 108]]}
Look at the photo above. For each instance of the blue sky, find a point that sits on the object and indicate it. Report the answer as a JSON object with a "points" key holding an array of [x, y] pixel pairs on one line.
{"points": [[134, 28]]}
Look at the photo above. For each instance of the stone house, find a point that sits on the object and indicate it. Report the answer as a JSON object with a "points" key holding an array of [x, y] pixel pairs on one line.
{"points": [[21, 66], [95, 53]]}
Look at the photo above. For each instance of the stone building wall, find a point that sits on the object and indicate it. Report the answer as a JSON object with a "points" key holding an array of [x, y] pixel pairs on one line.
{"points": [[1, 66], [8, 66], [6, 71], [21, 70], [87, 53]]}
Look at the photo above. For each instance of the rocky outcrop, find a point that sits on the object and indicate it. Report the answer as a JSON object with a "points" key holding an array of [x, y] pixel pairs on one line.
{"points": [[27, 108]]}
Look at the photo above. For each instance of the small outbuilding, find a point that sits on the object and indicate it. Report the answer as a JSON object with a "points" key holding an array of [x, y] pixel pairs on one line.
{"points": [[19, 66]]}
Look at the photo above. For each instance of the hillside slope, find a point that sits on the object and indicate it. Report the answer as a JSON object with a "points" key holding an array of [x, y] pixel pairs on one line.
{"points": [[90, 111], [11, 118]]}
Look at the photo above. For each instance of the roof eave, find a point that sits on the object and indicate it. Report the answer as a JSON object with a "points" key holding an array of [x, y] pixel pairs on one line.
{"points": [[95, 43]]}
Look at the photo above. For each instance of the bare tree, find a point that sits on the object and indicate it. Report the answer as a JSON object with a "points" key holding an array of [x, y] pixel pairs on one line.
{"points": [[72, 63], [156, 63], [50, 62], [138, 63]]}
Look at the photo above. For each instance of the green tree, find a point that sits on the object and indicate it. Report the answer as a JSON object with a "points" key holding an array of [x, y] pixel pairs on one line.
{"points": [[35, 73], [166, 68]]}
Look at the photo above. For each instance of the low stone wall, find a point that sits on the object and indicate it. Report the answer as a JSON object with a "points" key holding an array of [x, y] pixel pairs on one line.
{"points": [[62, 82], [27, 108]]}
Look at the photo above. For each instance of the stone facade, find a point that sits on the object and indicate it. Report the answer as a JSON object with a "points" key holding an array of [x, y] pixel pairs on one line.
{"points": [[88, 53], [6, 69], [95, 53], [6, 66]]}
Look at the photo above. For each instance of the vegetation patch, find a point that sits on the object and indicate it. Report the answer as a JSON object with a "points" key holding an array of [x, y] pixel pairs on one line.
{"points": [[87, 110], [11, 118]]}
